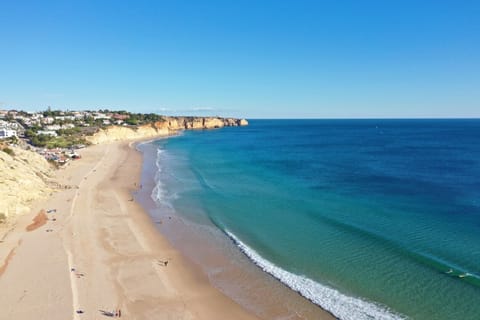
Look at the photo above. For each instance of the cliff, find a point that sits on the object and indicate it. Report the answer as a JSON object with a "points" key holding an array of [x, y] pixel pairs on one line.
{"points": [[119, 133], [24, 178], [168, 126], [185, 123]]}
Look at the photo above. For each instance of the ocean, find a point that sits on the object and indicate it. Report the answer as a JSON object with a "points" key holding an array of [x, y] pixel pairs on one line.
{"points": [[368, 219]]}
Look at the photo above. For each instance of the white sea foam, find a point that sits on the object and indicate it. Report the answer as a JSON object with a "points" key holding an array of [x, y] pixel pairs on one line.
{"points": [[158, 160], [158, 193], [340, 305]]}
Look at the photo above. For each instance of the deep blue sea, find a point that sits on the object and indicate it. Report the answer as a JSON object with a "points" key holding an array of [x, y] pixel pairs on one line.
{"points": [[369, 219]]}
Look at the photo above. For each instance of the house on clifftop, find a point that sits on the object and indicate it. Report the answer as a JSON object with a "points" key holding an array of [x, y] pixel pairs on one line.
{"points": [[7, 133]]}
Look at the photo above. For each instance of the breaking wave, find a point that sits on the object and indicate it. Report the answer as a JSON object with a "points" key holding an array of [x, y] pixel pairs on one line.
{"points": [[340, 305]]}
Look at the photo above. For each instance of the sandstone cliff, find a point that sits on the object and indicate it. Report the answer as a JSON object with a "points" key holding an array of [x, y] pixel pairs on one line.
{"points": [[119, 133], [24, 178], [185, 123], [168, 126]]}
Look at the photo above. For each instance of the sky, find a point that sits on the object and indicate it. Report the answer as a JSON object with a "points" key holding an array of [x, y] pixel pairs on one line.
{"points": [[242, 58]]}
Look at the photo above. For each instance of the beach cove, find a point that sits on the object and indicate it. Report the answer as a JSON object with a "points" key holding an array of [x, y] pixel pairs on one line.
{"points": [[90, 250], [99, 252], [133, 186], [247, 223]]}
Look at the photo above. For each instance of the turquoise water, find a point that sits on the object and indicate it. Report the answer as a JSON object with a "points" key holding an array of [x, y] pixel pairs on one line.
{"points": [[369, 219]]}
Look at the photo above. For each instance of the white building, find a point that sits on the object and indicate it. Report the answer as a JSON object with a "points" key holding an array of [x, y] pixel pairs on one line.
{"points": [[48, 120], [78, 115], [7, 133], [55, 127], [47, 133], [8, 125], [98, 115]]}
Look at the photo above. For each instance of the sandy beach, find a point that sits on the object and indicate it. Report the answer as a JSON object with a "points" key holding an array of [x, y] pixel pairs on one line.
{"points": [[90, 250]]}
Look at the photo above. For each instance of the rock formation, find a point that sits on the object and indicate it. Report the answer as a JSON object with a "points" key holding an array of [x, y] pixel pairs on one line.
{"points": [[183, 123], [169, 126], [24, 177]]}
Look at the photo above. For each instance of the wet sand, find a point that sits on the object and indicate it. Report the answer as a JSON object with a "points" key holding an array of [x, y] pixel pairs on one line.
{"points": [[39, 220]]}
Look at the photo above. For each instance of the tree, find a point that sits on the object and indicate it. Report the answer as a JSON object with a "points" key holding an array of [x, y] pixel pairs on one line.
{"points": [[132, 120], [29, 133]]}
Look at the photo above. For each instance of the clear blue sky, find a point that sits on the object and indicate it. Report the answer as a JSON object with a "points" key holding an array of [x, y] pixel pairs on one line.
{"points": [[267, 59]]}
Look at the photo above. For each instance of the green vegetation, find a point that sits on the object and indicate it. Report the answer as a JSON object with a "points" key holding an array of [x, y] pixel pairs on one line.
{"points": [[13, 140], [9, 151], [54, 113], [56, 142], [69, 132], [32, 131], [139, 118], [66, 138]]}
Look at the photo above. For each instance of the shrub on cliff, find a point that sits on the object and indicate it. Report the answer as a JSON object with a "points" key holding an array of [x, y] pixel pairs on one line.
{"points": [[9, 151]]}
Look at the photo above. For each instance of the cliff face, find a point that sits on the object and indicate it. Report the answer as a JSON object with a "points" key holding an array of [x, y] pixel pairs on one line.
{"points": [[24, 179], [162, 128], [185, 123], [119, 133]]}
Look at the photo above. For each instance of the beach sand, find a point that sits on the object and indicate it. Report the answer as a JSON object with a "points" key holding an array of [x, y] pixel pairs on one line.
{"points": [[100, 252]]}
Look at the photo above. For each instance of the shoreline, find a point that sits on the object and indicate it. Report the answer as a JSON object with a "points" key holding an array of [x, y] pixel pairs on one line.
{"points": [[228, 268], [100, 251]]}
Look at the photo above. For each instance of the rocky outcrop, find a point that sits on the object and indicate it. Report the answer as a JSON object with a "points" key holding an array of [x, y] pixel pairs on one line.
{"points": [[169, 126], [24, 177], [185, 123]]}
